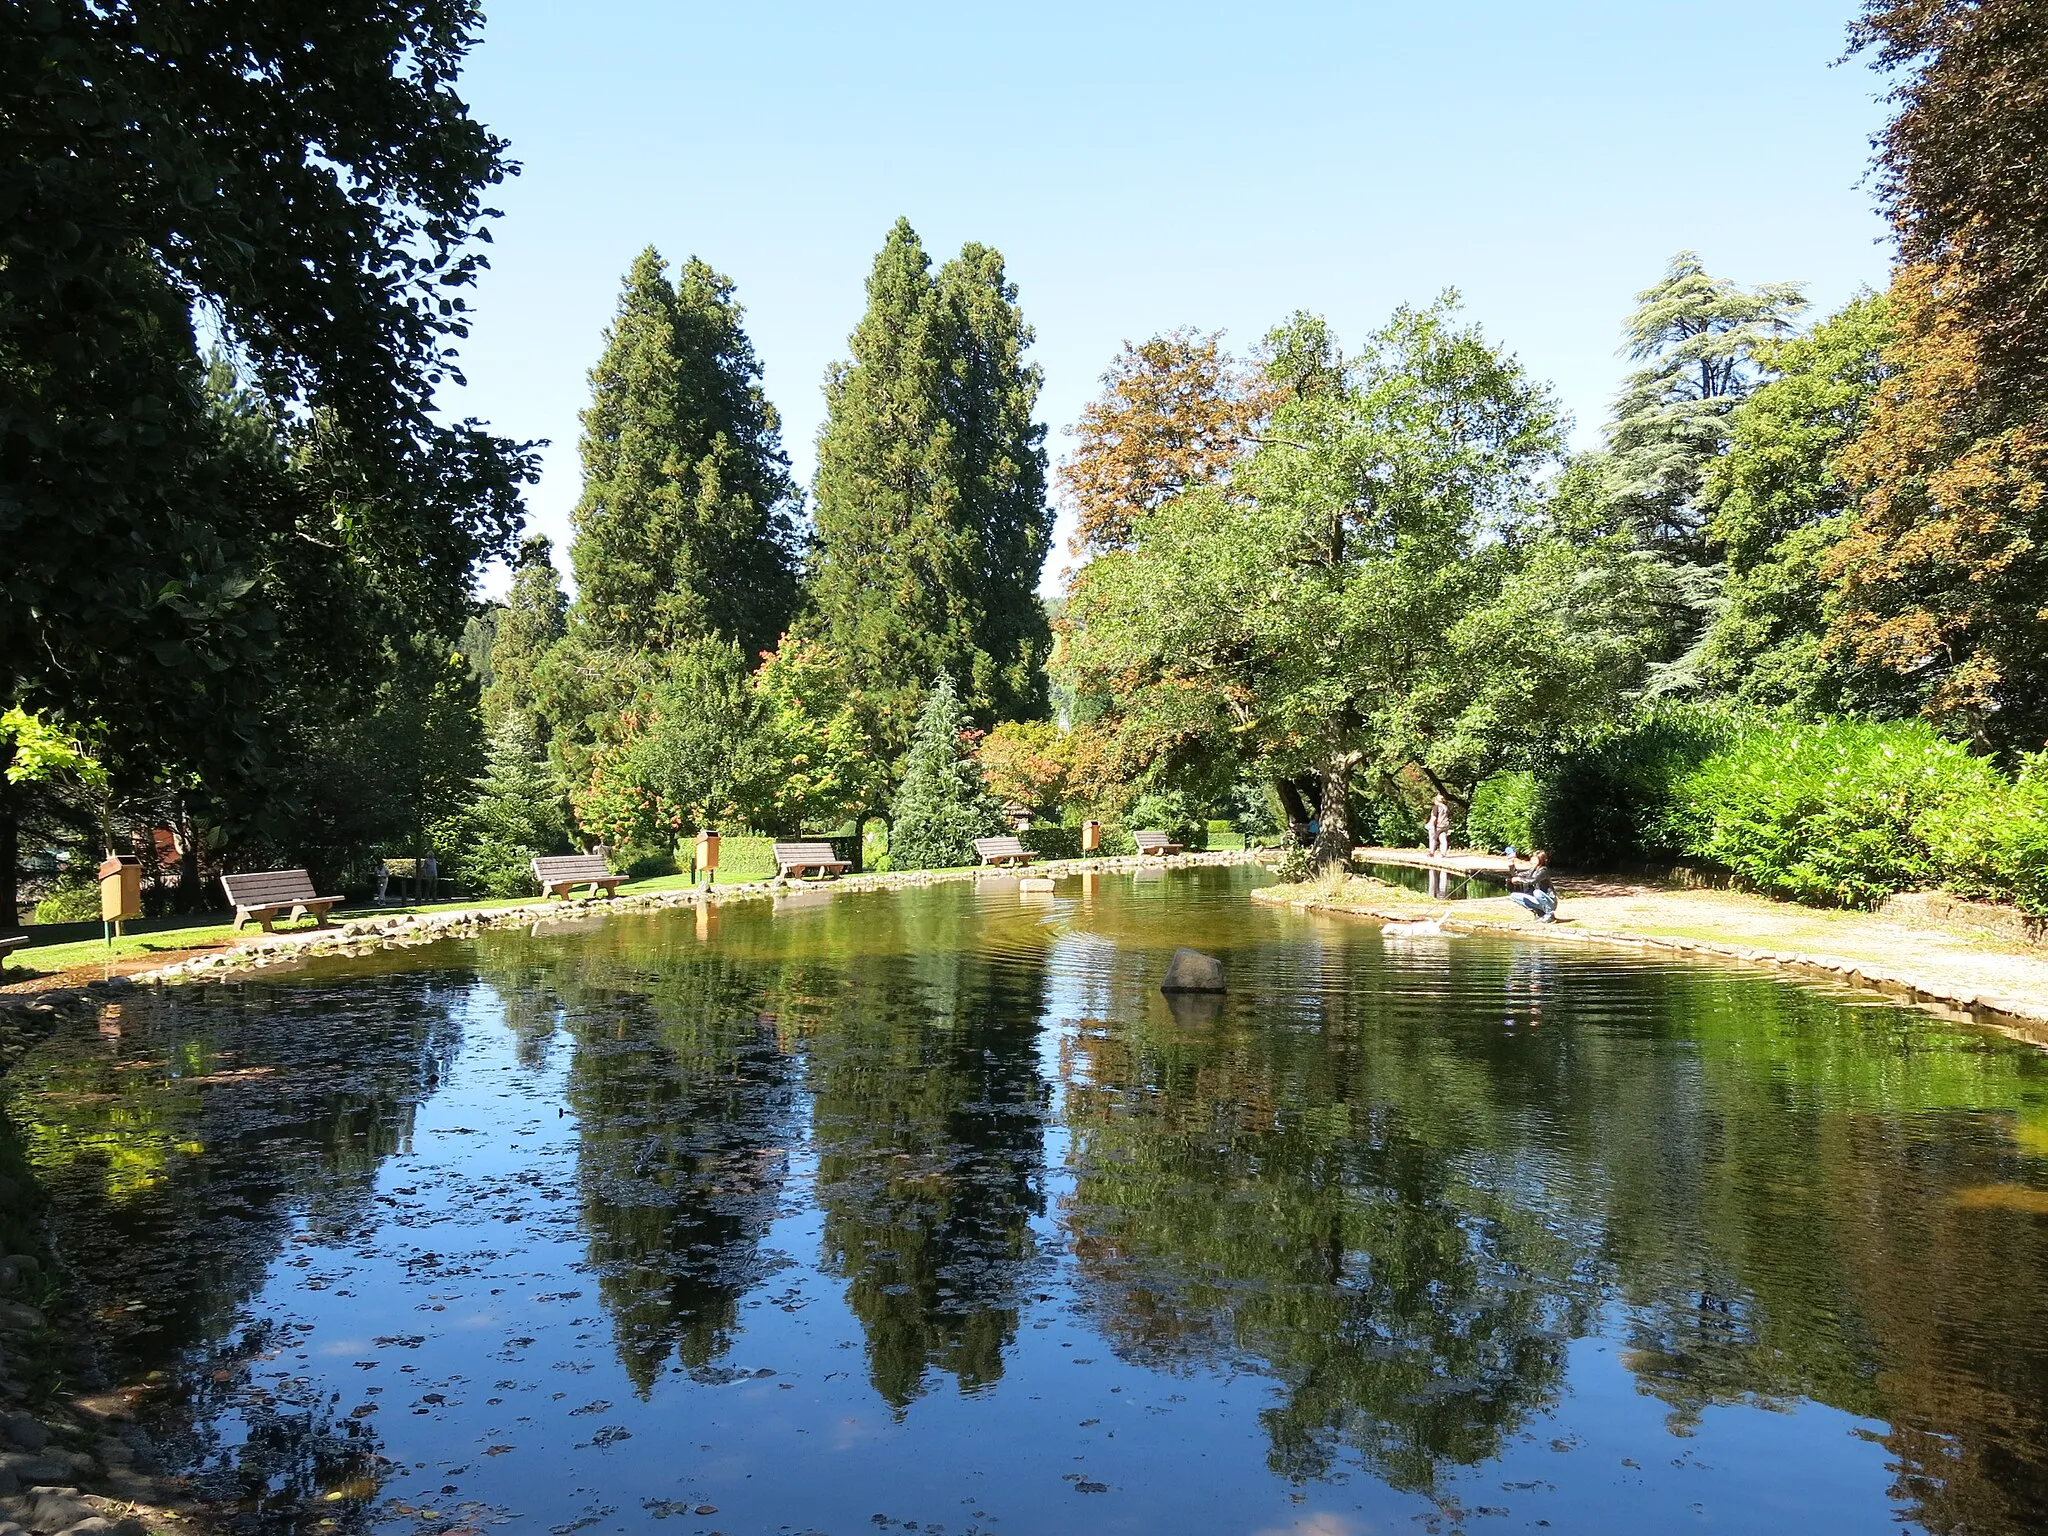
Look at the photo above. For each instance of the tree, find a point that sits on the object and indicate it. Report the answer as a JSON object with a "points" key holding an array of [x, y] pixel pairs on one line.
{"points": [[932, 523], [515, 814], [1777, 507], [819, 761], [701, 744], [176, 548], [1961, 169], [1384, 593], [1175, 412], [532, 622], [686, 526], [942, 805], [1027, 762], [1697, 336], [1943, 564]]}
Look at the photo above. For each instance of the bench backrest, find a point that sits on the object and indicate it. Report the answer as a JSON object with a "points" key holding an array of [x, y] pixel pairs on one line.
{"points": [[269, 888], [1001, 848], [549, 869], [805, 853], [1151, 839]]}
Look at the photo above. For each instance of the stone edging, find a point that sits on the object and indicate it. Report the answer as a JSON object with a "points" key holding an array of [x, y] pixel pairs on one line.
{"points": [[2023, 1018], [362, 935]]}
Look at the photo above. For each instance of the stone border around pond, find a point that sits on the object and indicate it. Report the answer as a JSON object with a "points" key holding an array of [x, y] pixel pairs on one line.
{"points": [[365, 935], [2022, 1018]]}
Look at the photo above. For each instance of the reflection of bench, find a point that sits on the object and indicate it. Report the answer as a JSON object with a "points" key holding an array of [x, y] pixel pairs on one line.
{"points": [[1155, 842], [267, 893], [792, 859], [558, 874], [1002, 850], [19, 941]]}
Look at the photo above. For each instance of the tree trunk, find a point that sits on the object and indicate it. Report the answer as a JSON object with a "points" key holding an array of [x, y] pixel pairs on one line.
{"points": [[1333, 838], [1298, 813]]}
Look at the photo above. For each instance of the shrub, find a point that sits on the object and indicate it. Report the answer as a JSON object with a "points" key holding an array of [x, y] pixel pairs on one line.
{"points": [[1050, 842], [74, 899], [1503, 813], [1998, 850], [1840, 813], [1606, 802]]}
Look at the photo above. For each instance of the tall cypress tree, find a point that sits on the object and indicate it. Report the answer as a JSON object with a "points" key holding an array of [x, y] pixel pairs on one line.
{"points": [[932, 522], [687, 522]]}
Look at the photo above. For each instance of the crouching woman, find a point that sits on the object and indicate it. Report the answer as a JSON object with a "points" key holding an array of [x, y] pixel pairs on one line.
{"points": [[1533, 889]]}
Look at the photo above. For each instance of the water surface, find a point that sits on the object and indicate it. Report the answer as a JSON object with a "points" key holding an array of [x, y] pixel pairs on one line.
{"points": [[924, 1210]]}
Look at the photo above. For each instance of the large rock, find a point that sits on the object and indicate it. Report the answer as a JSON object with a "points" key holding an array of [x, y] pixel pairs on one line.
{"points": [[1192, 971]]}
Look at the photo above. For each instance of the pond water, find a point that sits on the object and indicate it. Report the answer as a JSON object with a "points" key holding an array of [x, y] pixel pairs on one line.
{"points": [[924, 1210], [1441, 884]]}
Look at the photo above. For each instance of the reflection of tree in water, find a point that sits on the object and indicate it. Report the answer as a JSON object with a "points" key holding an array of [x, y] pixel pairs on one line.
{"points": [[684, 1099], [1397, 1212], [1254, 1199], [179, 1152], [927, 1112]]}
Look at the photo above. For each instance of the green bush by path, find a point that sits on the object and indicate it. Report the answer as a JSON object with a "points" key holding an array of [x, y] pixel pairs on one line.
{"points": [[1605, 803], [75, 899], [1503, 813], [1844, 813]]}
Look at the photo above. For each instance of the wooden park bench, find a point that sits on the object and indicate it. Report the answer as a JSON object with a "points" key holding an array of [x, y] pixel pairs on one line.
{"points": [[792, 859], [19, 941], [1155, 843], [1001, 851], [558, 874], [269, 892]]}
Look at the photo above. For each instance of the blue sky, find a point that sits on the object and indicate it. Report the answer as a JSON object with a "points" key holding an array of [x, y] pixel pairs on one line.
{"points": [[1149, 166]]}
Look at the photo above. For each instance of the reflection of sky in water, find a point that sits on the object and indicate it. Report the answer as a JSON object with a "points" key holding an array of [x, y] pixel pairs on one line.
{"points": [[927, 1207]]}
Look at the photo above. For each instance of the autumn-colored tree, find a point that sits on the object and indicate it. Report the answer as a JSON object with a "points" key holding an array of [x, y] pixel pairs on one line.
{"points": [[1943, 570], [1027, 762], [1175, 412]]}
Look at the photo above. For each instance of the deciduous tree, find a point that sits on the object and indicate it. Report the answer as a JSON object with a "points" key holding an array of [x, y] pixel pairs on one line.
{"points": [[1175, 411]]}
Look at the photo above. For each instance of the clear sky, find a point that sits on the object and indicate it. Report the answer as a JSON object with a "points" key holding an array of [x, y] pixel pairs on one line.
{"points": [[1143, 167]]}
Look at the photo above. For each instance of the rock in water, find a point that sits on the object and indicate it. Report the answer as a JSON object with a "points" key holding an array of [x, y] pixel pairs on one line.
{"points": [[1192, 971]]}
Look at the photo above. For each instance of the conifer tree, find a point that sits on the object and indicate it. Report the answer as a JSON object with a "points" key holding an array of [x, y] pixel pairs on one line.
{"points": [[534, 618], [932, 521], [943, 804], [687, 523], [1696, 336], [515, 814]]}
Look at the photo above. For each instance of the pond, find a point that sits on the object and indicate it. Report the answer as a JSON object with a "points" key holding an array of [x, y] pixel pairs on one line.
{"points": [[1439, 884], [924, 1211]]}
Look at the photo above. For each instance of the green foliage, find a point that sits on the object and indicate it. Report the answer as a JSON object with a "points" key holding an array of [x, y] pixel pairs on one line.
{"points": [[932, 522], [534, 619], [1381, 589], [35, 751], [942, 805], [1777, 508], [1172, 812], [1603, 801], [686, 526], [1844, 812], [212, 571], [700, 746], [74, 899], [1503, 812], [1697, 336], [514, 816], [1997, 850]]}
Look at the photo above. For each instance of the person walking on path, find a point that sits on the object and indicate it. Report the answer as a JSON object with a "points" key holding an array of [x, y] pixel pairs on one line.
{"points": [[1439, 827], [1534, 890]]}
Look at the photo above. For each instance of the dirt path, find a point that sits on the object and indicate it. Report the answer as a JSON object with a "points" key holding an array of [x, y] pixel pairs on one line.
{"points": [[1999, 982]]}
